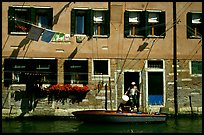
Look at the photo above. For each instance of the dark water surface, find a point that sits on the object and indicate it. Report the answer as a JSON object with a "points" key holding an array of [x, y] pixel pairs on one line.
{"points": [[172, 125]]}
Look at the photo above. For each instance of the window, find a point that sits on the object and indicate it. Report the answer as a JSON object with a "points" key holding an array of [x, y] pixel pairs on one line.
{"points": [[20, 18], [90, 22], [153, 19], [101, 67], [134, 24], [134, 20], [76, 72], [16, 71], [196, 67], [194, 23], [99, 23], [155, 23], [144, 23], [155, 64]]}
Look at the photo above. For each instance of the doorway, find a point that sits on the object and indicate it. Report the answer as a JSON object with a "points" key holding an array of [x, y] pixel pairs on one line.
{"points": [[132, 77], [155, 88]]}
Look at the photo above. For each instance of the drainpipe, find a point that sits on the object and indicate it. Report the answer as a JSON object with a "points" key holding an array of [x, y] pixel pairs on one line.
{"points": [[175, 59]]}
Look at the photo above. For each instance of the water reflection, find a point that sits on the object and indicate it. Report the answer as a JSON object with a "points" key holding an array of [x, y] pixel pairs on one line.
{"points": [[181, 125]]}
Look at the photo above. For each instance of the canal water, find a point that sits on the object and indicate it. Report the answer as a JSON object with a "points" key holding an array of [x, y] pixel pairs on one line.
{"points": [[172, 125]]}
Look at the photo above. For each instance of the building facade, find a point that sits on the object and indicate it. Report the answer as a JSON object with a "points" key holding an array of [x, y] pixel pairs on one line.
{"points": [[105, 46]]}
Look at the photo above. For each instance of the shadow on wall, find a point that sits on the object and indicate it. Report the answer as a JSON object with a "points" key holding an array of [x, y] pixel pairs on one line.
{"points": [[56, 17], [23, 44], [30, 97]]}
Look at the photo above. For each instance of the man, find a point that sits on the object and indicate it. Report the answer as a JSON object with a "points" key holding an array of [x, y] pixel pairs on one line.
{"points": [[132, 93]]}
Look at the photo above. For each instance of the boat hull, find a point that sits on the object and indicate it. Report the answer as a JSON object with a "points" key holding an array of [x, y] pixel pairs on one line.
{"points": [[114, 116]]}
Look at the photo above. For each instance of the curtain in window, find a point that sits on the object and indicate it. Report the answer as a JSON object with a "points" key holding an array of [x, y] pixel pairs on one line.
{"points": [[134, 18], [153, 18], [98, 17]]}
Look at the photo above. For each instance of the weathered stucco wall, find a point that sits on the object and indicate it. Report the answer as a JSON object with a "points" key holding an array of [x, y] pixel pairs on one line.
{"points": [[122, 53]]}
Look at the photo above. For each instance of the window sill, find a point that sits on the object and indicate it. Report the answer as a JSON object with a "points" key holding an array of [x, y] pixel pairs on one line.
{"points": [[136, 36], [155, 36], [195, 37], [100, 36], [18, 33], [81, 35], [196, 75]]}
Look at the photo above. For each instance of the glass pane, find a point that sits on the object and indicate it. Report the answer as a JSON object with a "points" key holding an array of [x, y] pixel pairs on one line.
{"points": [[196, 18], [153, 18], [95, 29], [98, 16], [134, 17], [100, 67], [196, 67], [80, 24], [42, 21], [21, 23]]}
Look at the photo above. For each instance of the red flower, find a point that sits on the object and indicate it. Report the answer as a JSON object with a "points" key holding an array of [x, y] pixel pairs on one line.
{"points": [[68, 87]]}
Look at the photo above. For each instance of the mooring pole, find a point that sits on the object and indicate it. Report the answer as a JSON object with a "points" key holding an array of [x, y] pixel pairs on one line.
{"points": [[110, 93], [106, 89], [175, 59]]}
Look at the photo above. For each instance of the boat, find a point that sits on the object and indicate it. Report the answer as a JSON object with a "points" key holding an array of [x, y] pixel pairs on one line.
{"points": [[118, 116]]}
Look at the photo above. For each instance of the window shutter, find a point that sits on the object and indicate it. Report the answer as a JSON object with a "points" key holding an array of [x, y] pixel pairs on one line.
{"points": [[11, 21], [33, 15], [189, 24], [73, 21], [89, 23], [162, 24], [50, 18], [126, 23], [146, 23], [107, 22], [142, 24]]}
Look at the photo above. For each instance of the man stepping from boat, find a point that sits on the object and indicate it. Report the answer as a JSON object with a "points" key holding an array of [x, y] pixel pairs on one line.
{"points": [[132, 93]]}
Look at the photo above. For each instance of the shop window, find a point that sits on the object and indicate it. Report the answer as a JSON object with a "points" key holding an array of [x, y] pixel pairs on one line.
{"points": [[194, 23], [20, 18], [43, 66], [90, 22], [17, 71], [196, 67]]}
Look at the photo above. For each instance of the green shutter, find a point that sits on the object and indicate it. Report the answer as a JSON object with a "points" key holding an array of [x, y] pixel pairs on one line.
{"points": [[162, 24], [73, 21], [126, 23], [89, 23], [107, 22], [146, 23], [142, 24], [32, 15], [189, 24], [50, 18], [11, 21]]}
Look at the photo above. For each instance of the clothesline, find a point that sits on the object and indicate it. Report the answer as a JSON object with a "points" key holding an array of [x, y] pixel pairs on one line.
{"points": [[48, 35]]}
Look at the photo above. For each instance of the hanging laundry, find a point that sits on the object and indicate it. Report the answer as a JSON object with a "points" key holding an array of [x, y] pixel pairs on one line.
{"points": [[47, 35], [58, 37], [67, 37], [35, 33]]}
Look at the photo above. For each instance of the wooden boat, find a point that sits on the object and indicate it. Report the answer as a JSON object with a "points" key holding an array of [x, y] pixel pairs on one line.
{"points": [[115, 116]]}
